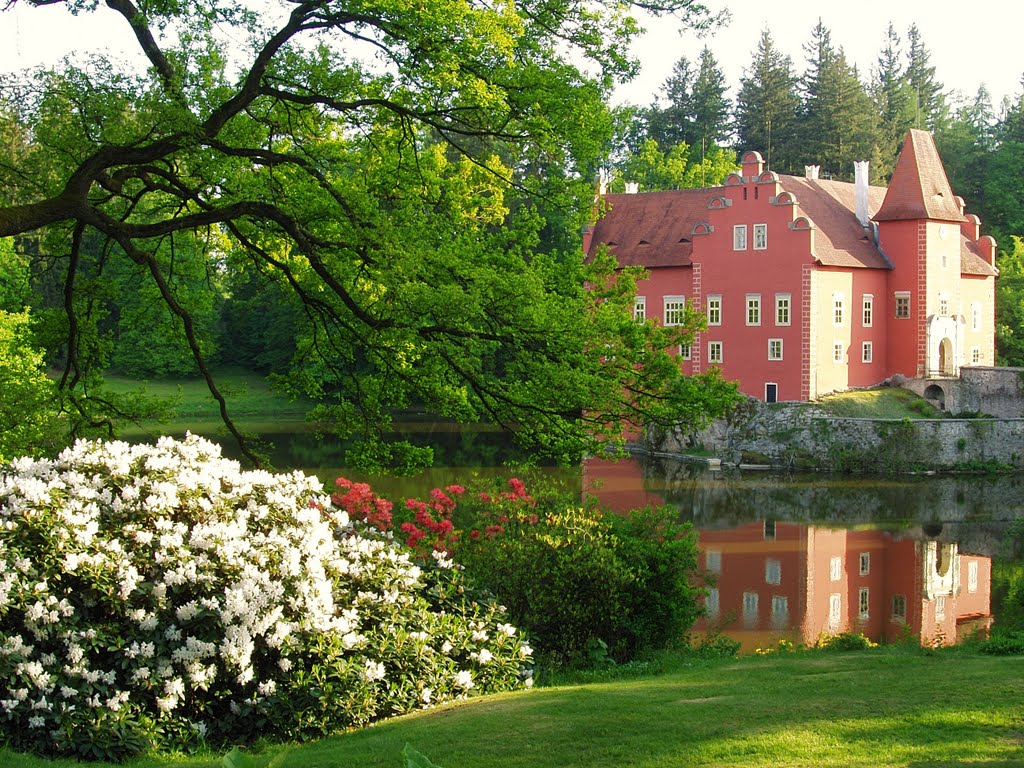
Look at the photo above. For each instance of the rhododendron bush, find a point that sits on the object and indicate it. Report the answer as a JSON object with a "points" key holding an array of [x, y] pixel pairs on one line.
{"points": [[160, 596]]}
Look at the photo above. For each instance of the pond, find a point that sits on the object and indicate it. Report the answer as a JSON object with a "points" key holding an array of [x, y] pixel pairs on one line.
{"points": [[787, 556]]}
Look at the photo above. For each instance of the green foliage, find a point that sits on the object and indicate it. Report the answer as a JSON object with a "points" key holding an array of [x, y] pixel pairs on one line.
{"points": [[423, 218], [30, 418], [588, 585], [844, 641], [680, 167], [592, 588], [159, 597], [1010, 303], [1003, 643]]}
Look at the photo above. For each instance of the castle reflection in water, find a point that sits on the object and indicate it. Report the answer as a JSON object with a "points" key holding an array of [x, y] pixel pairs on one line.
{"points": [[782, 560]]}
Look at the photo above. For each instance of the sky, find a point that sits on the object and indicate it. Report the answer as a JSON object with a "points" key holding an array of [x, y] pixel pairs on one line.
{"points": [[970, 43]]}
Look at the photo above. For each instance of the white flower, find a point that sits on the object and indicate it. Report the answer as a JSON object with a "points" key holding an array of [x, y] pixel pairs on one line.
{"points": [[507, 629], [36, 722], [426, 694], [372, 670], [464, 680], [525, 650]]}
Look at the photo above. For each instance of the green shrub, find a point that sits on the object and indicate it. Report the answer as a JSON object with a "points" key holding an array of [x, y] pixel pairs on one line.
{"points": [[1003, 644], [159, 596], [590, 587], [844, 641]]}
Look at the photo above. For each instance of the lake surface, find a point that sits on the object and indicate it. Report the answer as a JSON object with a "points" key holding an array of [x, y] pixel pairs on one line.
{"points": [[786, 556]]}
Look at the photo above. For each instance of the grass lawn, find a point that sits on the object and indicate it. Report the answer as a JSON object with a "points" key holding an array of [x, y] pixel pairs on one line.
{"points": [[886, 707], [882, 403], [249, 398]]}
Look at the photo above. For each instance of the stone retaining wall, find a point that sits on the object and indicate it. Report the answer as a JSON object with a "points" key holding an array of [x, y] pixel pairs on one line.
{"points": [[802, 436]]}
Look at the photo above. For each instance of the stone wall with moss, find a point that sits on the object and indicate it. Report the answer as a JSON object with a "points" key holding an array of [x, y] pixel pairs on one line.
{"points": [[802, 436]]}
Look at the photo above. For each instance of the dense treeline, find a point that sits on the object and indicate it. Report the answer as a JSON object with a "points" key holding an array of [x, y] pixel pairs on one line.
{"points": [[829, 114]]}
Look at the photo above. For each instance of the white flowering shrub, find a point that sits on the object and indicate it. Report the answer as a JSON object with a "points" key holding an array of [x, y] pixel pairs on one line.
{"points": [[158, 596]]}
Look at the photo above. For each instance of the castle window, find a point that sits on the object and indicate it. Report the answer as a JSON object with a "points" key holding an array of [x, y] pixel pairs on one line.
{"points": [[783, 302], [863, 600], [760, 237], [739, 237], [866, 352], [749, 608], [713, 561], [903, 305], [772, 571], [673, 314], [865, 563], [780, 611], [774, 349], [715, 352], [835, 609], [838, 351], [685, 351], [753, 309], [899, 607], [975, 355], [972, 576], [835, 569], [711, 603], [714, 310], [943, 305], [640, 309], [838, 301], [940, 607], [868, 310], [975, 317]]}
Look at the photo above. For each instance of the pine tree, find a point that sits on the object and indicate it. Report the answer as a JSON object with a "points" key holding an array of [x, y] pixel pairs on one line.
{"points": [[894, 100], [931, 109], [839, 122], [672, 124], [766, 107], [710, 106]]}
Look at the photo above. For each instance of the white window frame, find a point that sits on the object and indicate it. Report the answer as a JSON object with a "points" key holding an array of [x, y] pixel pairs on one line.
{"points": [[864, 602], [838, 352], [865, 563], [901, 299], [783, 308], [739, 237], [714, 309], [685, 351], [716, 352], [835, 609], [639, 309], [838, 309], [943, 305], [672, 310], [772, 571], [713, 561], [975, 355], [760, 237], [867, 352], [972, 576], [711, 602], [750, 607], [775, 349], [780, 610], [975, 317], [940, 607], [867, 313], [753, 309], [835, 568], [899, 607]]}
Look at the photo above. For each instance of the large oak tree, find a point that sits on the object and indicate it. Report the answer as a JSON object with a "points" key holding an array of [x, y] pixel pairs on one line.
{"points": [[396, 166]]}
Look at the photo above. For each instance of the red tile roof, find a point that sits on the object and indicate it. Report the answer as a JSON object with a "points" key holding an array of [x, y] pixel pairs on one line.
{"points": [[840, 240], [972, 262], [653, 229], [919, 188]]}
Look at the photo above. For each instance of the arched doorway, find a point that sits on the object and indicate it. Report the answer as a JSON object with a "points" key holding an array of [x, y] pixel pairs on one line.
{"points": [[947, 364]]}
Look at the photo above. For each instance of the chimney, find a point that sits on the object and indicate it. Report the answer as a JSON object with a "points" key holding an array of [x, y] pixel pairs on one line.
{"points": [[860, 170], [812, 171], [632, 187]]}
